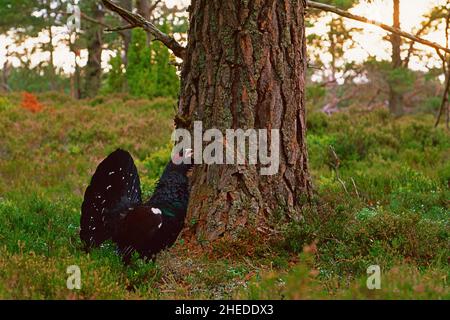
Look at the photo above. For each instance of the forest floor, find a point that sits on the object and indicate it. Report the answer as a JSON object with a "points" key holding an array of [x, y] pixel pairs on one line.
{"points": [[381, 198]]}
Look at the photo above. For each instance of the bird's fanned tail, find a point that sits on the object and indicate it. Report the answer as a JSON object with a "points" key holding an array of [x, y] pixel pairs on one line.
{"points": [[113, 208], [114, 189]]}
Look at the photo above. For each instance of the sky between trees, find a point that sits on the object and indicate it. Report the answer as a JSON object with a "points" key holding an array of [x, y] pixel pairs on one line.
{"points": [[369, 42]]}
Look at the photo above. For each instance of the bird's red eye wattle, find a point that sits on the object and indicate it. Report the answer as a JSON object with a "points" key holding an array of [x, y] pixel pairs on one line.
{"points": [[177, 159]]}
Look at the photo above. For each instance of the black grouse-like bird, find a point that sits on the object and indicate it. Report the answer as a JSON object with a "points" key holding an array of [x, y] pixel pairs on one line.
{"points": [[113, 207]]}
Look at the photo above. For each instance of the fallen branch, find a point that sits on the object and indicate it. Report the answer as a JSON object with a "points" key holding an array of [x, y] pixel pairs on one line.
{"points": [[343, 13], [136, 21]]}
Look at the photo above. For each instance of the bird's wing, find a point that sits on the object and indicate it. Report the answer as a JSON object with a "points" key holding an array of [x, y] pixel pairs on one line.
{"points": [[137, 231], [114, 188]]}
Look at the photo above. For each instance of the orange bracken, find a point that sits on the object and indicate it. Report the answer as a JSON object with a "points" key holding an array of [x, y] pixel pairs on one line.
{"points": [[30, 102]]}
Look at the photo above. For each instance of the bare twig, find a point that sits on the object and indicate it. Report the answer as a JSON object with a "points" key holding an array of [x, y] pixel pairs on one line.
{"points": [[117, 29], [354, 186], [335, 164], [412, 44], [313, 66], [93, 20], [153, 7], [343, 185], [90, 19], [343, 13], [336, 161], [442, 57], [372, 100], [136, 20]]}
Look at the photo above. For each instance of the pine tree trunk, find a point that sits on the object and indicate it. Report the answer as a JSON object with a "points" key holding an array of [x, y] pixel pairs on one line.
{"points": [[5, 75], [126, 4], [93, 69], [245, 68], [51, 65], [395, 99], [143, 8]]}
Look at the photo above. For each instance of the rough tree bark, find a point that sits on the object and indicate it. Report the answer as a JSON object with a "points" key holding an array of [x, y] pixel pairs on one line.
{"points": [[244, 68], [395, 99]]}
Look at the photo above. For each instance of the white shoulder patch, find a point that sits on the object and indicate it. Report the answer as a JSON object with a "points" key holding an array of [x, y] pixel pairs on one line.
{"points": [[156, 211]]}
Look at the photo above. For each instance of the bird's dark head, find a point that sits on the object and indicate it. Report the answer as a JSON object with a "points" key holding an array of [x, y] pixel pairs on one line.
{"points": [[182, 162]]}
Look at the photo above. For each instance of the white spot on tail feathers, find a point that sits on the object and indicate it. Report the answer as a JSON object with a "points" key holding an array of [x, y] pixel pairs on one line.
{"points": [[103, 201], [160, 225], [111, 173], [108, 187], [156, 211]]}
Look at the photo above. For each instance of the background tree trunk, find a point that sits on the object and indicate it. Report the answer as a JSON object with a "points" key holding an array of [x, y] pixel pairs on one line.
{"points": [[93, 67], [126, 4], [245, 68], [395, 99], [143, 8], [51, 63], [4, 87], [75, 79]]}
